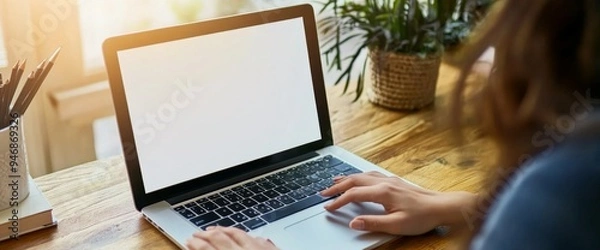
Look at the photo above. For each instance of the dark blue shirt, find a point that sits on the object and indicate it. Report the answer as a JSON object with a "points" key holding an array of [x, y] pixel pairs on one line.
{"points": [[552, 203]]}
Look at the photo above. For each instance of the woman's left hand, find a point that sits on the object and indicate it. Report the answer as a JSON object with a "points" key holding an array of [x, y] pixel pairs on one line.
{"points": [[217, 238]]}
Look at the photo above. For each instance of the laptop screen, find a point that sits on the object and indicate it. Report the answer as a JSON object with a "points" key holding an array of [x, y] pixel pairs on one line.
{"points": [[207, 103]]}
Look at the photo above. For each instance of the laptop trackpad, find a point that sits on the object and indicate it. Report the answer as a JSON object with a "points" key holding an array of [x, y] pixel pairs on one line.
{"points": [[330, 230]]}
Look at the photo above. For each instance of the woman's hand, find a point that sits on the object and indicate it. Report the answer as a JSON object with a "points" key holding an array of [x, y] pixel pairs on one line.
{"points": [[217, 238], [410, 210]]}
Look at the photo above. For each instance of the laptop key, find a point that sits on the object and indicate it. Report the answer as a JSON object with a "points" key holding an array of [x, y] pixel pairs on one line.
{"points": [[294, 208], [267, 185], [223, 211], [343, 167], [326, 182], [285, 199], [288, 176], [225, 222], [241, 227], [190, 204], [271, 193], [254, 223], [233, 197], [179, 208], [262, 208], [221, 202], [278, 182], [249, 202], [334, 172], [209, 205], [226, 192], [303, 182], [314, 178], [245, 193], [236, 207], [204, 219], [250, 213], [324, 175], [239, 217], [214, 196], [316, 187], [297, 194], [238, 188], [249, 184], [198, 210], [272, 177], [202, 200], [282, 189], [307, 191], [330, 161], [261, 180], [260, 198], [292, 186], [256, 189], [187, 213], [352, 171], [275, 204]]}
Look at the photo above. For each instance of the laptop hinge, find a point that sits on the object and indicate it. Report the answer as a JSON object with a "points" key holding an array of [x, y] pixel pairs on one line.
{"points": [[241, 177]]}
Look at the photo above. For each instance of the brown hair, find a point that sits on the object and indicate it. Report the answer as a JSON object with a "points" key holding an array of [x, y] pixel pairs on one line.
{"points": [[547, 59]]}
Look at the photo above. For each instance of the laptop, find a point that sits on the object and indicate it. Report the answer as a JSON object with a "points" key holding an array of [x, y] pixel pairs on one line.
{"points": [[225, 122]]}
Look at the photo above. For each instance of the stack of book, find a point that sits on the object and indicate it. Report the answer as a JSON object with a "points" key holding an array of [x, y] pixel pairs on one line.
{"points": [[33, 213]]}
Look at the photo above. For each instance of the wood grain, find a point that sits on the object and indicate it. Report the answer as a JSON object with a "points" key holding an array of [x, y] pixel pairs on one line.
{"points": [[95, 209]]}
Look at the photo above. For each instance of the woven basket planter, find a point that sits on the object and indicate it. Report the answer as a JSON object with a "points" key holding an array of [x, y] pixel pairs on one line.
{"points": [[403, 82]]}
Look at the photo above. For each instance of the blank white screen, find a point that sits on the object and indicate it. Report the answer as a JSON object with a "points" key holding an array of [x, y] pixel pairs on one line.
{"points": [[207, 103]]}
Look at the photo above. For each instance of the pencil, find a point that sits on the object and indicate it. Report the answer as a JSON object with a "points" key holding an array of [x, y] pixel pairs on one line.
{"points": [[15, 84], [3, 108], [5, 91], [26, 90], [38, 82]]}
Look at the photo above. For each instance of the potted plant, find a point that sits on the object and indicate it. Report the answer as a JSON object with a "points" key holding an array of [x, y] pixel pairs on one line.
{"points": [[404, 39], [459, 27]]}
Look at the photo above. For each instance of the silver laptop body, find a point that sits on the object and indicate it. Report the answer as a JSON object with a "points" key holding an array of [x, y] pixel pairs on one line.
{"points": [[222, 110]]}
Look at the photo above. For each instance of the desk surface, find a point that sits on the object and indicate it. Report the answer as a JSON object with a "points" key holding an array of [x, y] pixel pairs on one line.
{"points": [[95, 209]]}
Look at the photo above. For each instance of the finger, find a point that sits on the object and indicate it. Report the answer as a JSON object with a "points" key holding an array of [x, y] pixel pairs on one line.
{"points": [[375, 174], [217, 238], [339, 178], [349, 182], [388, 223], [198, 244], [240, 237], [358, 194]]}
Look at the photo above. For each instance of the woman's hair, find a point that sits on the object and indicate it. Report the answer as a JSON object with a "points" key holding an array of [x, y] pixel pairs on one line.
{"points": [[547, 65]]}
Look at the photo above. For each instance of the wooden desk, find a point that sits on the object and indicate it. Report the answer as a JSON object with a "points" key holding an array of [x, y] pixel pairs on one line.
{"points": [[95, 209]]}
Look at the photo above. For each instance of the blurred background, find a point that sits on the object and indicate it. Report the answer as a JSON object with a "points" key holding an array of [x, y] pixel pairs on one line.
{"points": [[71, 120]]}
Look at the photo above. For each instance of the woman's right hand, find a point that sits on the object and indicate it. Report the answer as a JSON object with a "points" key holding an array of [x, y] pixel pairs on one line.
{"points": [[410, 210]]}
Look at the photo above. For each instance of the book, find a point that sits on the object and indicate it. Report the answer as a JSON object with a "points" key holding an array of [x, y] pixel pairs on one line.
{"points": [[34, 213]]}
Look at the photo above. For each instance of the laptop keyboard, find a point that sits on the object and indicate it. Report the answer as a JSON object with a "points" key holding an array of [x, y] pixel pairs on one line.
{"points": [[257, 203]]}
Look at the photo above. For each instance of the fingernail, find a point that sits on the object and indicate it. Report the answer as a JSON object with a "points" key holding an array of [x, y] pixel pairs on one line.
{"points": [[211, 228], [338, 178], [357, 224]]}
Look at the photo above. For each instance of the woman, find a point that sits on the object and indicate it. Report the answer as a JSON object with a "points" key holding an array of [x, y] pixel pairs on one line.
{"points": [[539, 109]]}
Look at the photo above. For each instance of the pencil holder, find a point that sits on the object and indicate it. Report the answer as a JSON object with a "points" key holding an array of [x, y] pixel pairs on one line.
{"points": [[14, 168]]}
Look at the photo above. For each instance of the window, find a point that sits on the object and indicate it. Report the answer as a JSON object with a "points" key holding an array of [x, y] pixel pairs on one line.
{"points": [[3, 54], [102, 19]]}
